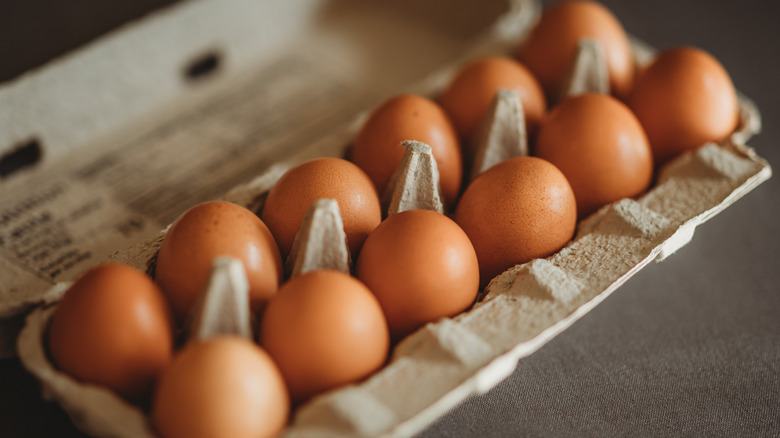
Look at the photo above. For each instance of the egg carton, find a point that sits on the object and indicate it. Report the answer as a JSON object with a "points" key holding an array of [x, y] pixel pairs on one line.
{"points": [[439, 365], [445, 361]]}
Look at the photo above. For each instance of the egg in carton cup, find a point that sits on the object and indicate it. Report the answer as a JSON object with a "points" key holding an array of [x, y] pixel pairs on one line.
{"points": [[222, 309], [517, 313]]}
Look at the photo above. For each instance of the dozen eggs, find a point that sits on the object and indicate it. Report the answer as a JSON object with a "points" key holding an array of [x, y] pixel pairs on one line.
{"points": [[116, 326]]}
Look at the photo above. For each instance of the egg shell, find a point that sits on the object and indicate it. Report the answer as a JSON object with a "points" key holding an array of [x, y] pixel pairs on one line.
{"points": [[518, 210], [598, 143], [322, 178], [210, 230], [221, 387], [549, 49], [468, 97], [377, 148], [113, 327], [684, 99], [421, 267], [324, 329]]}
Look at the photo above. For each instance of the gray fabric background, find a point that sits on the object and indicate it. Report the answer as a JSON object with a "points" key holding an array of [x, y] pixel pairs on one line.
{"points": [[687, 347]]}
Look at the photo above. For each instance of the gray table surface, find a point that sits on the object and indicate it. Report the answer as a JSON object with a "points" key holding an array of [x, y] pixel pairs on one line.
{"points": [[689, 346]]}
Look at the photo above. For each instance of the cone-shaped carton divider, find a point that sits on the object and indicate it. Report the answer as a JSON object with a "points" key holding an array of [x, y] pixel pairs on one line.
{"points": [[223, 306], [502, 134], [321, 242], [415, 184], [588, 72]]}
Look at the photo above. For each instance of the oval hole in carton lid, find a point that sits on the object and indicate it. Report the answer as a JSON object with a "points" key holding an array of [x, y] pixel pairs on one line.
{"points": [[203, 66], [25, 154]]}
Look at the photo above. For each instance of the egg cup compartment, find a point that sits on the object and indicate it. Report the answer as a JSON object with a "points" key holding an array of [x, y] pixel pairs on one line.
{"points": [[519, 311], [222, 308]]}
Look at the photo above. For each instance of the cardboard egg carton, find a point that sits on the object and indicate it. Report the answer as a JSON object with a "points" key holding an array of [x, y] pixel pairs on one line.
{"points": [[442, 363]]}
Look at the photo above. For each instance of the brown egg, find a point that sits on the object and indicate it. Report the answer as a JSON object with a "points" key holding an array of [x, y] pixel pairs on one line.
{"points": [[331, 178], [324, 329], [684, 99], [549, 49], [378, 151], [598, 143], [222, 387], [421, 266], [518, 210], [205, 232], [468, 97], [113, 328]]}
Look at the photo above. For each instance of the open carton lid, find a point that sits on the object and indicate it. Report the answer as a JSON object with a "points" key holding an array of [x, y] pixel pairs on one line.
{"points": [[114, 141]]}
